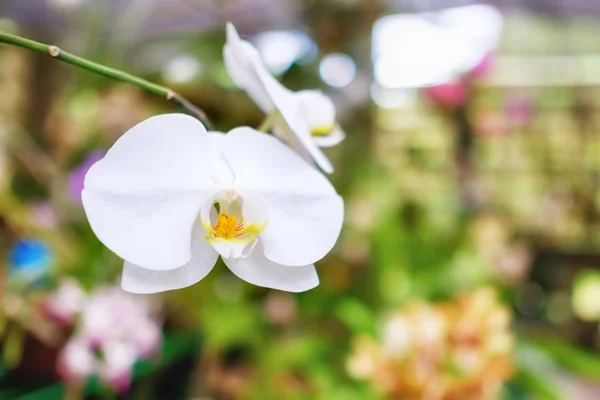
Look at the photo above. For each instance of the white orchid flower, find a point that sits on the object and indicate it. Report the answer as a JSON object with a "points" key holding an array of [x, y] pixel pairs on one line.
{"points": [[307, 117], [169, 197]]}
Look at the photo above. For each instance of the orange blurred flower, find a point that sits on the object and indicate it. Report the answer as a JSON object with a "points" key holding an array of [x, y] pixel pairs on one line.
{"points": [[460, 349]]}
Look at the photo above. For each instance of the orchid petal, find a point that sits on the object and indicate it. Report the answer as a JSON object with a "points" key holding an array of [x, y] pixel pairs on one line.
{"points": [[233, 248], [248, 71], [219, 170], [306, 213], [287, 136], [255, 212], [142, 199], [289, 106], [141, 280], [242, 61], [317, 109], [319, 112], [258, 270]]}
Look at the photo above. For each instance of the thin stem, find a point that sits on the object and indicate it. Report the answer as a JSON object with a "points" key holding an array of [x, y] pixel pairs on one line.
{"points": [[59, 54], [267, 124]]}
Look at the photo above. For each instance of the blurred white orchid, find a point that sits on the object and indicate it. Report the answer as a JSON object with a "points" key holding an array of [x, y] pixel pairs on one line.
{"points": [[304, 119], [169, 198]]}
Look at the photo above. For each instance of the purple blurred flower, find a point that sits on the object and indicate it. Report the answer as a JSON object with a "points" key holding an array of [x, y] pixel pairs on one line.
{"points": [[77, 176]]}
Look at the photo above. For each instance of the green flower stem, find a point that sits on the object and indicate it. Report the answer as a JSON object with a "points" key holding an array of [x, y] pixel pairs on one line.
{"points": [[108, 72], [267, 124]]}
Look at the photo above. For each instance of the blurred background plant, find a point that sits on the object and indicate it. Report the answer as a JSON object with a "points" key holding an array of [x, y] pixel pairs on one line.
{"points": [[468, 265]]}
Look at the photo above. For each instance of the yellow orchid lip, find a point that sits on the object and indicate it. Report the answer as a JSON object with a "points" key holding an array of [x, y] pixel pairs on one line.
{"points": [[322, 130]]}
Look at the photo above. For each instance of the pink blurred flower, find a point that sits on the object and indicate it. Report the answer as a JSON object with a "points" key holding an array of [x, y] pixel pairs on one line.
{"points": [[77, 176], [116, 367], [518, 110], [450, 95], [115, 329], [112, 362], [76, 361], [483, 68], [112, 314], [490, 123], [455, 94], [66, 302], [44, 214], [281, 308], [148, 339]]}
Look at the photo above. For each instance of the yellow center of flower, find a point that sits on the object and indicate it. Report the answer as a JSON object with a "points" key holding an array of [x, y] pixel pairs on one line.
{"points": [[227, 227], [321, 130]]}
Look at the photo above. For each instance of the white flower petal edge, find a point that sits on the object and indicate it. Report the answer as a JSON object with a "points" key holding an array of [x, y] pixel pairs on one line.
{"points": [[260, 271], [306, 213], [144, 281], [248, 71], [143, 197]]}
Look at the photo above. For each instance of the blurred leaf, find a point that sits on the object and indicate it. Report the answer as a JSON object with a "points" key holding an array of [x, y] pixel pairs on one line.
{"points": [[3, 325], [294, 353], [356, 315], [536, 386], [223, 323], [535, 370], [52, 392], [570, 357], [512, 392], [13, 346], [26, 187]]}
